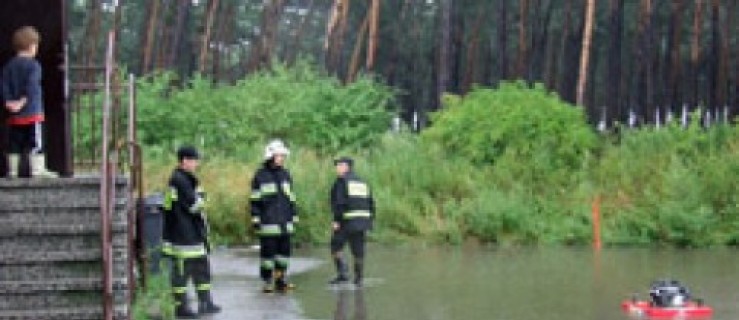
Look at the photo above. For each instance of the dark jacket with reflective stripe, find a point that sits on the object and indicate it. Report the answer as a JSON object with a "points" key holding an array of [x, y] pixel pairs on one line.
{"points": [[184, 224], [352, 203], [272, 199]]}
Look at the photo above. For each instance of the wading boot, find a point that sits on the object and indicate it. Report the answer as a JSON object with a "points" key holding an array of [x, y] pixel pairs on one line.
{"points": [[13, 165], [38, 167], [24, 165], [182, 310], [341, 271], [281, 283], [358, 273], [268, 286], [205, 303]]}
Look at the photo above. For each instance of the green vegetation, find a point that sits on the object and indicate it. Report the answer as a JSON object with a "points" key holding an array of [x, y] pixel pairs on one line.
{"points": [[512, 165], [155, 301], [296, 104]]}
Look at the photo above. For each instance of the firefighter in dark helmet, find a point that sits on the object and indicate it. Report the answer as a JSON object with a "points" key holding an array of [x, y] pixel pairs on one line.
{"points": [[353, 213], [274, 214], [186, 236]]}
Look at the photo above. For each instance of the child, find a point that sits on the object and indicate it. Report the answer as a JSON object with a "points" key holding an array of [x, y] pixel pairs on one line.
{"points": [[21, 85]]}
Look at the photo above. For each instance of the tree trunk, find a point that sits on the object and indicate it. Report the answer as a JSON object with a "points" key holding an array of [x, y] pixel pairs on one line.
{"points": [[211, 9], [502, 30], [733, 52], [222, 36], [165, 34], [261, 52], [695, 52], [523, 48], [615, 33], [147, 43], [354, 64], [673, 72], [472, 51], [719, 58], [539, 43], [571, 56], [397, 38], [89, 47], [642, 63], [458, 28], [179, 34], [585, 54], [373, 26], [298, 39], [442, 77], [336, 28], [649, 41]]}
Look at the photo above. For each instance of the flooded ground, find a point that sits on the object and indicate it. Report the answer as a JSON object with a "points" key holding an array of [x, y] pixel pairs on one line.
{"points": [[478, 283]]}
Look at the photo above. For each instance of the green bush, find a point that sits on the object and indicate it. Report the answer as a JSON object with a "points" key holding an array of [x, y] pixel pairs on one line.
{"points": [[297, 104], [672, 185], [517, 121]]}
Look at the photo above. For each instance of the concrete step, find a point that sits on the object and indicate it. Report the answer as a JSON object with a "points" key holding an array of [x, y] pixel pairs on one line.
{"points": [[60, 270], [89, 180], [12, 229], [50, 299], [51, 270], [88, 313], [25, 194], [67, 284], [50, 249], [11, 258], [21, 243], [57, 215]]}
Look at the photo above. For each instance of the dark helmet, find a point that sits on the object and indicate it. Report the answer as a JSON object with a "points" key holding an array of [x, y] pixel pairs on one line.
{"points": [[187, 152], [348, 161]]}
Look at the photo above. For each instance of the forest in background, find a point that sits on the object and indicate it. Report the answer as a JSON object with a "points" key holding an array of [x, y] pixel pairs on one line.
{"points": [[509, 159], [651, 60]]}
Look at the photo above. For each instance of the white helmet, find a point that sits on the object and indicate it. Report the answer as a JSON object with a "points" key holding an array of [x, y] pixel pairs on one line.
{"points": [[275, 147]]}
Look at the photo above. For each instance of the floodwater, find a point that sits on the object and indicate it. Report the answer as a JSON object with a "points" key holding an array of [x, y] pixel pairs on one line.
{"points": [[430, 283]]}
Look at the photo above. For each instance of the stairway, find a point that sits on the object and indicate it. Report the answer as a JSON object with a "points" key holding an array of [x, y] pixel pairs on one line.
{"points": [[50, 249]]}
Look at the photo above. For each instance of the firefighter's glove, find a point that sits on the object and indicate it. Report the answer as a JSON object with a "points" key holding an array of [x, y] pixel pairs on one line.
{"points": [[255, 223], [198, 206]]}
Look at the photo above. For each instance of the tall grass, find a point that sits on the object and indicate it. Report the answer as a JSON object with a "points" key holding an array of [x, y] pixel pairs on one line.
{"points": [[514, 165]]}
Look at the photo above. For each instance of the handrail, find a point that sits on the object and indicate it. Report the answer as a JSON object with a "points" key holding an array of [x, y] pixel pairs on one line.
{"points": [[107, 187], [136, 250]]}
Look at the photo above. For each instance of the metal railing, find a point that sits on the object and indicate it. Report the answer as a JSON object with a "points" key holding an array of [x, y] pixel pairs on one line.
{"points": [[120, 156]]}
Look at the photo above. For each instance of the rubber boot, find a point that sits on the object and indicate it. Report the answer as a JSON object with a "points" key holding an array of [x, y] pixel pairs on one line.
{"points": [[266, 275], [13, 165], [182, 310], [341, 271], [358, 272], [281, 283], [205, 303], [4, 170], [268, 286], [24, 165], [38, 165]]}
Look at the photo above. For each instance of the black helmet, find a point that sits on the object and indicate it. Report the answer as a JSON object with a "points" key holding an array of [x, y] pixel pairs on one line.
{"points": [[187, 152], [347, 160]]}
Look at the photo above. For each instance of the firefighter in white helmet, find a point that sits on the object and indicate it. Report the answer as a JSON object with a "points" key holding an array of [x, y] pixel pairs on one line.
{"points": [[274, 214]]}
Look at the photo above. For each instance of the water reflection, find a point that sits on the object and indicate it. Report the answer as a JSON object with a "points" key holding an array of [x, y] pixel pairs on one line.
{"points": [[517, 283], [344, 308]]}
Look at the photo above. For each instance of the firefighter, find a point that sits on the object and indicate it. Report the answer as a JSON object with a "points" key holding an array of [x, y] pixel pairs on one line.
{"points": [[186, 236], [353, 213], [274, 214]]}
